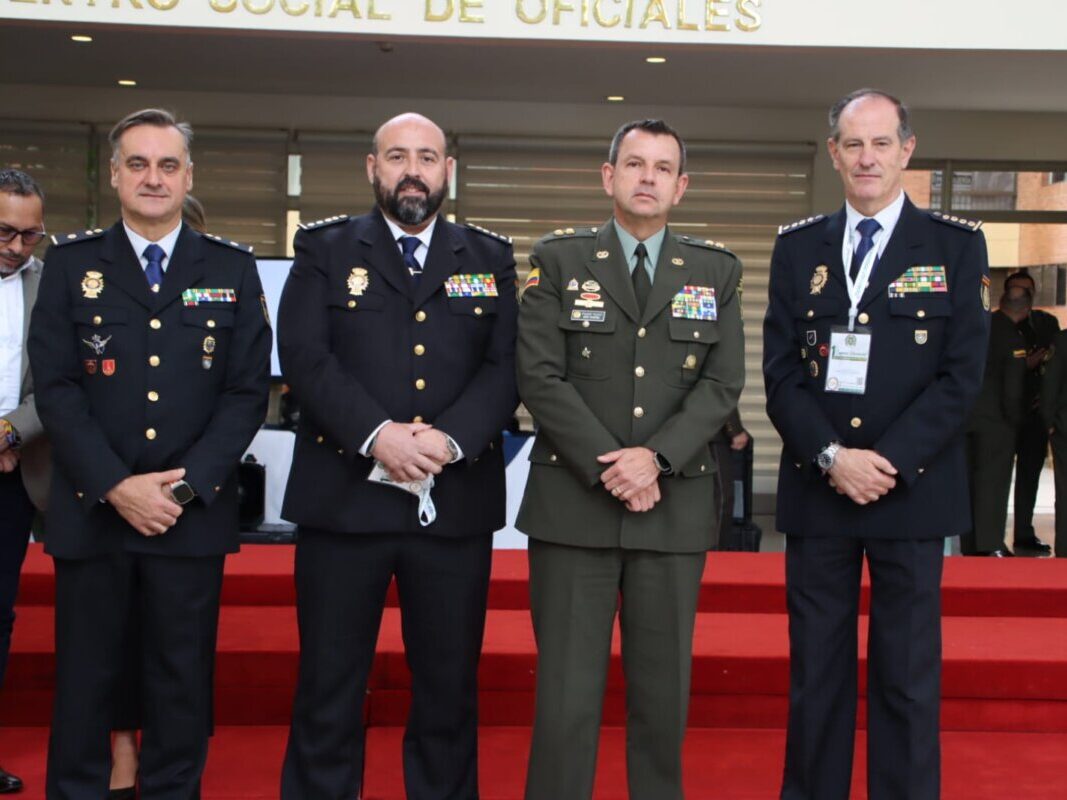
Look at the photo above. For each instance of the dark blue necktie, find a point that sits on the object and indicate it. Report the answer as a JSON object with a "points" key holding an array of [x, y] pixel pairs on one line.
{"points": [[867, 228], [410, 244], [154, 271]]}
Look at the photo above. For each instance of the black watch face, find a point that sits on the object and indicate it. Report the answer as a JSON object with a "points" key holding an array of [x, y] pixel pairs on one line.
{"points": [[182, 492]]}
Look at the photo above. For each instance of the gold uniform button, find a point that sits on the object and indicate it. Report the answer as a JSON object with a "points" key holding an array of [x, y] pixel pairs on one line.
{"points": [[696, 334], [81, 495], [418, 418], [218, 488], [153, 361], [863, 318], [585, 323], [920, 313], [320, 439], [155, 324], [341, 452], [420, 384], [153, 396], [639, 412], [922, 470], [420, 316], [810, 313], [553, 457], [150, 434], [477, 311], [419, 349], [641, 333], [690, 361], [98, 320], [211, 323], [703, 467], [351, 303], [856, 422], [639, 372]]}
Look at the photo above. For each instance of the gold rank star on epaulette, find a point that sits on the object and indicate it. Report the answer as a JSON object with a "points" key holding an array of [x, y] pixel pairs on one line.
{"points": [[61, 239], [708, 244], [244, 248], [800, 224], [958, 222], [499, 236], [323, 223]]}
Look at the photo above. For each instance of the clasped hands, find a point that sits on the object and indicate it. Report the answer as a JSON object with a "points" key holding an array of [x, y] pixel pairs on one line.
{"points": [[632, 478], [145, 501], [411, 451], [863, 475]]}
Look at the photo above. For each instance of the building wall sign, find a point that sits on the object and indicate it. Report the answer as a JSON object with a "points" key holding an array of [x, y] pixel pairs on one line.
{"points": [[946, 24]]}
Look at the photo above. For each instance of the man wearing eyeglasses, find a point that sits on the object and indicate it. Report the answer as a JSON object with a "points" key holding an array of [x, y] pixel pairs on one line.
{"points": [[23, 450]]}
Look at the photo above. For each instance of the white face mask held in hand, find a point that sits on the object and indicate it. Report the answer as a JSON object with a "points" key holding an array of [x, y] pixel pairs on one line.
{"points": [[421, 489]]}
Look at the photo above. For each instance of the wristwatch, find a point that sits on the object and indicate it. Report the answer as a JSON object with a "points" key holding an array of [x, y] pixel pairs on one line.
{"points": [[7, 430], [662, 464], [182, 492], [825, 459]]}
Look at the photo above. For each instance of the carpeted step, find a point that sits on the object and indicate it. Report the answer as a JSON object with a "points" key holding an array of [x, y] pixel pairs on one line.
{"points": [[999, 673], [720, 764], [733, 583]]}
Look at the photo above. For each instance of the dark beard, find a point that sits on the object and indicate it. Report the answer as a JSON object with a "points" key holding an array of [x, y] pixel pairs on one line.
{"points": [[409, 210]]}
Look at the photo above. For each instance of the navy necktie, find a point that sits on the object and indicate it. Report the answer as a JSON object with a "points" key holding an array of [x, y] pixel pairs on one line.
{"points": [[867, 228], [410, 244], [154, 271], [642, 283]]}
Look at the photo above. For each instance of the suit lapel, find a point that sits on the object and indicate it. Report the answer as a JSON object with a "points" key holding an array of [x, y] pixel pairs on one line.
{"points": [[442, 260], [123, 268], [185, 267], [608, 264], [832, 243], [383, 254], [898, 254], [671, 275], [31, 279]]}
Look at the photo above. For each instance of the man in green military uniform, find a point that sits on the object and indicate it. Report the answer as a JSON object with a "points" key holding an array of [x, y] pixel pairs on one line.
{"points": [[1039, 328], [630, 359], [994, 425]]}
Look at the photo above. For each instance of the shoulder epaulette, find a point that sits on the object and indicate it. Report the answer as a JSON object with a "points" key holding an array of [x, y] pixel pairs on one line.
{"points": [[244, 248], [957, 222], [800, 223], [323, 223], [486, 232], [61, 239], [569, 233], [708, 244]]}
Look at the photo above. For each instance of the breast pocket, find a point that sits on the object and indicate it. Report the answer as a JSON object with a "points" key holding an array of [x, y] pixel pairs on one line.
{"points": [[588, 344], [691, 339], [923, 317], [101, 333]]}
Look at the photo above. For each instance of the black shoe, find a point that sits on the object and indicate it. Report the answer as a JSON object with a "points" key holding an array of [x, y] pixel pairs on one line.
{"points": [[1001, 552], [9, 783], [1034, 545], [125, 793]]}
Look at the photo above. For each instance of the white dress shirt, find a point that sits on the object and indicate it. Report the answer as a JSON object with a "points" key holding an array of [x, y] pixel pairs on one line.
{"points": [[887, 218], [11, 344], [139, 244]]}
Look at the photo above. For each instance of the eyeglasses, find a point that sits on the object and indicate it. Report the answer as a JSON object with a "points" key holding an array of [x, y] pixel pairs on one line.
{"points": [[8, 234]]}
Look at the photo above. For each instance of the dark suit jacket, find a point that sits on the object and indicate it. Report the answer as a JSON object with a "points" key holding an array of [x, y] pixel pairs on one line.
{"points": [[351, 358], [1001, 400], [927, 359], [584, 383], [202, 419]]}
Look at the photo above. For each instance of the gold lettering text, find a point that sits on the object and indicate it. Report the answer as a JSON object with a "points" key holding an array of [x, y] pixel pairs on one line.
{"points": [[465, 14], [223, 6], [293, 11], [440, 16], [344, 5], [252, 8], [558, 7], [134, 3], [372, 13], [682, 24], [712, 13], [750, 17], [158, 5], [656, 13], [598, 15], [527, 17]]}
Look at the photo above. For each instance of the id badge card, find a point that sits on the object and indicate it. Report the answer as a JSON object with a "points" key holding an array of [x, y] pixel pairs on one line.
{"points": [[850, 353]]}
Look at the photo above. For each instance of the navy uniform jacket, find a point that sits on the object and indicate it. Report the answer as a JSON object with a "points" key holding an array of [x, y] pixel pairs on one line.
{"points": [[122, 387], [927, 359], [357, 340]]}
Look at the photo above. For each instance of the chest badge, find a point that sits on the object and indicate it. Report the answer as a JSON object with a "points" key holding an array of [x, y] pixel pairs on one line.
{"points": [[358, 281], [921, 337], [573, 285], [97, 343], [92, 284], [819, 278]]}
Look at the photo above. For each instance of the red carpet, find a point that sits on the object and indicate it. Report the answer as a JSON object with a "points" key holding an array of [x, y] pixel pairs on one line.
{"points": [[1005, 681]]}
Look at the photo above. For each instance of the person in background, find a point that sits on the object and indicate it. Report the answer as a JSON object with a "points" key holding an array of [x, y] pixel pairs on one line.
{"points": [[1039, 328], [1054, 417], [993, 427], [127, 713], [24, 453]]}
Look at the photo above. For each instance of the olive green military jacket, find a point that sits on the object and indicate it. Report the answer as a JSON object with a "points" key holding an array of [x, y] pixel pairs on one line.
{"points": [[596, 377]]}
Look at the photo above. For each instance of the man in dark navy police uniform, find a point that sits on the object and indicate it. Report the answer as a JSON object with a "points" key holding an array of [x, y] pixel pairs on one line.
{"points": [[397, 335], [150, 353], [878, 471]]}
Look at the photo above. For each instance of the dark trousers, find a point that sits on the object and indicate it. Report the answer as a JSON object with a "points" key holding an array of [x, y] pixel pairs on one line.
{"points": [[16, 517], [341, 581], [990, 453], [903, 667], [575, 595], [178, 603], [1059, 458], [1031, 449]]}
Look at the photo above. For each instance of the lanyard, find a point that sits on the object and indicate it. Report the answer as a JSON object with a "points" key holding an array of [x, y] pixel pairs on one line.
{"points": [[859, 286]]}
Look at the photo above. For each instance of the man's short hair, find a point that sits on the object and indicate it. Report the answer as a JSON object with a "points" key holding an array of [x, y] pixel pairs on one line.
{"points": [[1021, 275], [1016, 298], [904, 130], [15, 181], [150, 116], [653, 126]]}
